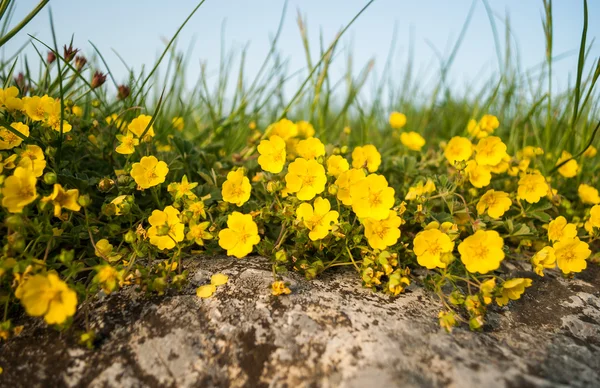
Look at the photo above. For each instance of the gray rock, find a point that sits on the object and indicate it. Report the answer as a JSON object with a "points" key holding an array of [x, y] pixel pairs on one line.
{"points": [[329, 332]]}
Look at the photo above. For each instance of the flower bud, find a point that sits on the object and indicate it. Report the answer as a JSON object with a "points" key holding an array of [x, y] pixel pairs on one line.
{"points": [[49, 178], [69, 52], [106, 184], [123, 92], [14, 221], [98, 80], [80, 62], [84, 200], [66, 256], [51, 57], [130, 237]]}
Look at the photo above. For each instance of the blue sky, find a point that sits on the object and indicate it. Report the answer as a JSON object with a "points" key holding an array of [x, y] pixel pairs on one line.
{"points": [[137, 30]]}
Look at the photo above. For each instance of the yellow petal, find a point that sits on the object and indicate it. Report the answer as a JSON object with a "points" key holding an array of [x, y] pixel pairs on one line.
{"points": [[218, 279], [205, 291]]}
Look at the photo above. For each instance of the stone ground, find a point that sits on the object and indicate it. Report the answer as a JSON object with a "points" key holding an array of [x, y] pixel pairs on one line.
{"points": [[329, 333]]}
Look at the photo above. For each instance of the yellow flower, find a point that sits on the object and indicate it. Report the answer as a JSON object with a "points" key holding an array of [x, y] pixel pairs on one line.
{"points": [[305, 129], [53, 117], [198, 209], [149, 172], [48, 296], [236, 189], [571, 255], [372, 197], [545, 258], [77, 111], [458, 149], [532, 187], [119, 203], [482, 252], [318, 220], [272, 154], [128, 143], [32, 157], [19, 190], [240, 236], [37, 107], [310, 148], [279, 288], [138, 125], [412, 140], [206, 291], [166, 230], [366, 157], [420, 190], [474, 129], [183, 189], [284, 128], [489, 123], [490, 151], [486, 289], [104, 250], [479, 175], [9, 140], [108, 278], [219, 279], [569, 169], [588, 194], [495, 202], [337, 164], [9, 99], [512, 289], [559, 229], [383, 233], [590, 152], [306, 178], [447, 320], [198, 232], [594, 221], [63, 199], [345, 181], [431, 246], [178, 123], [397, 120]]}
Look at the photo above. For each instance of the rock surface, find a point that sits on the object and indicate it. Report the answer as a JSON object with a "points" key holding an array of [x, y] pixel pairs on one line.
{"points": [[328, 333]]}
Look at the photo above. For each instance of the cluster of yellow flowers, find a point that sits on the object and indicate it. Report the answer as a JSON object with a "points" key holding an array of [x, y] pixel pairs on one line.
{"points": [[453, 218]]}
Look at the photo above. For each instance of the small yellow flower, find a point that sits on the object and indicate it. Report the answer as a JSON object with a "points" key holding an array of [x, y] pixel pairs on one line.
{"points": [[120, 204], [490, 151], [571, 255], [62, 198], [474, 129], [372, 197], [306, 178], [458, 149], [482, 252], [569, 169], [284, 128], [337, 164], [104, 250], [236, 189], [128, 144], [447, 320], [219, 279], [279, 288], [50, 297], [590, 152], [486, 289], [345, 181], [588, 194], [310, 148], [512, 289], [489, 123], [9, 140], [77, 111], [240, 236], [32, 157], [412, 140], [479, 175], [166, 230], [305, 129], [420, 190], [495, 202], [198, 209], [182, 189], [9, 99], [108, 278], [178, 123], [19, 190], [383, 233], [199, 232], [532, 187], [431, 247], [397, 120], [366, 157], [545, 258], [149, 172], [272, 154], [559, 229], [319, 220], [138, 125], [37, 108]]}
